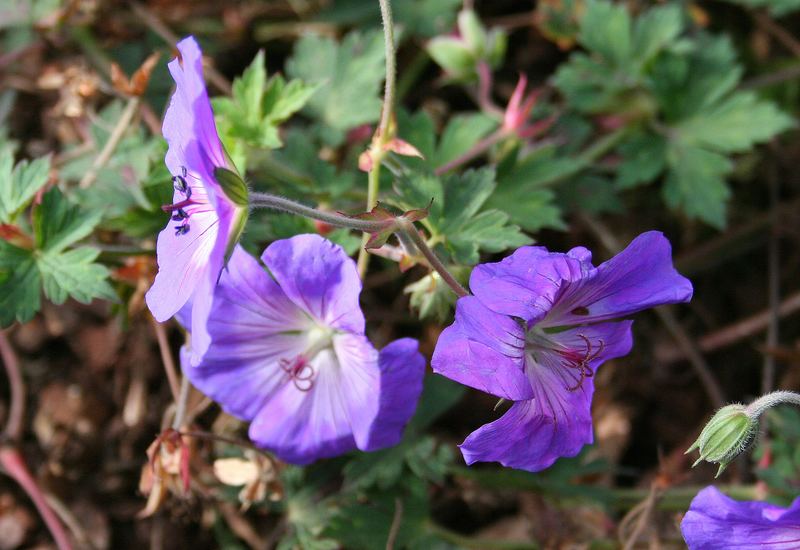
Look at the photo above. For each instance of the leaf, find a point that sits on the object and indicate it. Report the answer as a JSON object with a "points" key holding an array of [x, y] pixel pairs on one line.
{"points": [[644, 157], [349, 75], [19, 185], [695, 183], [656, 29], [257, 106], [20, 285], [73, 274], [606, 29], [489, 231], [58, 224], [61, 272], [735, 124], [461, 133]]}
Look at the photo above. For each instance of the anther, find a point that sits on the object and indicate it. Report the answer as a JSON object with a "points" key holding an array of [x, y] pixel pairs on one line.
{"points": [[179, 214], [179, 183], [182, 229]]}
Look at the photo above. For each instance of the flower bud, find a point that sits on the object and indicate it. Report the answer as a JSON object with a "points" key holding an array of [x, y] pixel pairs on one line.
{"points": [[729, 432]]}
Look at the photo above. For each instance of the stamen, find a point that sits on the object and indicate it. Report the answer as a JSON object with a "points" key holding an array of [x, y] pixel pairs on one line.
{"points": [[572, 361], [182, 229], [180, 185], [179, 214]]}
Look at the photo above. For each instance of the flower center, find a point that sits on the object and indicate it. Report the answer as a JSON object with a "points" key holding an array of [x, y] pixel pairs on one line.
{"points": [[575, 361], [181, 210], [299, 369]]}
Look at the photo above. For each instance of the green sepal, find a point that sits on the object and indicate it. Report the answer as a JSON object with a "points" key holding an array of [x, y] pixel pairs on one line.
{"points": [[233, 186], [237, 228]]}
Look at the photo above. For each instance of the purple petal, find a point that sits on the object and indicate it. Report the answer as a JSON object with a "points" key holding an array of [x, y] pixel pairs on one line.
{"points": [[336, 412], [484, 350], [714, 518], [192, 262], [525, 284], [639, 277], [252, 327], [189, 126], [557, 422], [402, 370], [319, 277], [183, 261]]}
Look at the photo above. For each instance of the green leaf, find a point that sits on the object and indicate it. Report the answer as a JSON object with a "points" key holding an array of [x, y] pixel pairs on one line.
{"points": [[19, 184], [257, 106], [734, 124], [58, 224], [462, 132], [606, 29], [489, 231], [73, 274], [656, 29], [349, 75], [453, 56], [20, 285], [61, 272], [644, 157], [695, 183]]}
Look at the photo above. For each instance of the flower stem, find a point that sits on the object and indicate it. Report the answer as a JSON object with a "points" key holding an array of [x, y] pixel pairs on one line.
{"points": [[475, 151], [757, 407], [391, 70], [265, 200], [408, 230], [382, 135]]}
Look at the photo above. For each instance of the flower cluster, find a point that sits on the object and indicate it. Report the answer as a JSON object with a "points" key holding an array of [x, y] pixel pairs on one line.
{"points": [[286, 348]]}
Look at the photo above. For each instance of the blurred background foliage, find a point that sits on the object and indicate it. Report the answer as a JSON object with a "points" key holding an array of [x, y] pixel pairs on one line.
{"points": [[677, 115]]}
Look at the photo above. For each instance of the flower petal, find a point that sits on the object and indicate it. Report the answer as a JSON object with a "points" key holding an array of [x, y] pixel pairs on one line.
{"points": [[557, 422], [183, 262], [319, 277], [402, 370], [639, 277], [484, 350], [525, 284], [303, 426], [189, 125], [714, 517]]}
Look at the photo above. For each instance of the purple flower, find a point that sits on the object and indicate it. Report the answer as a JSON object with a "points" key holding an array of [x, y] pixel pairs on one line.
{"points": [[717, 521], [204, 223], [537, 328], [288, 352]]}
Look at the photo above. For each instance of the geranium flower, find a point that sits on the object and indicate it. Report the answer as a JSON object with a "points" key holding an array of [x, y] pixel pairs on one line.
{"points": [[205, 222], [716, 521], [288, 352], [537, 328]]}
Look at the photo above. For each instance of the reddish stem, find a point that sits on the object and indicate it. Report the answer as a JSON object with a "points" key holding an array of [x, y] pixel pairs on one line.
{"points": [[14, 465]]}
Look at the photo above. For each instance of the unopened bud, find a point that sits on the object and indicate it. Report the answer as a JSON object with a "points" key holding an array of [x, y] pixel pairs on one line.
{"points": [[729, 432]]}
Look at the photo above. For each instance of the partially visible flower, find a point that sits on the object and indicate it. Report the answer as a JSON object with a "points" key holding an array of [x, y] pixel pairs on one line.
{"points": [[520, 106], [209, 207], [537, 328], [729, 432], [288, 352], [716, 521]]}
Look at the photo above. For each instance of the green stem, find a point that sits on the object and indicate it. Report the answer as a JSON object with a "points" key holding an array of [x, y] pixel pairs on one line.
{"points": [[382, 135], [475, 151], [409, 231], [391, 70], [757, 407], [265, 200]]}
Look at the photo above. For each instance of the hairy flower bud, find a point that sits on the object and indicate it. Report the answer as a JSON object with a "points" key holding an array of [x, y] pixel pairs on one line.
{"points": [[729, 432]]}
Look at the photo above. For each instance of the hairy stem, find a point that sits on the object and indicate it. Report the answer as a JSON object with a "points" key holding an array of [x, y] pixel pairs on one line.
{"points": [[757, 407], [265, 200], [408, 230], [382, 135]]}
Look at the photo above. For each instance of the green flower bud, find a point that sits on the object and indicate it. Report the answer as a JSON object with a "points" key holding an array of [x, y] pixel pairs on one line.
{"points": [[729, 432]]}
